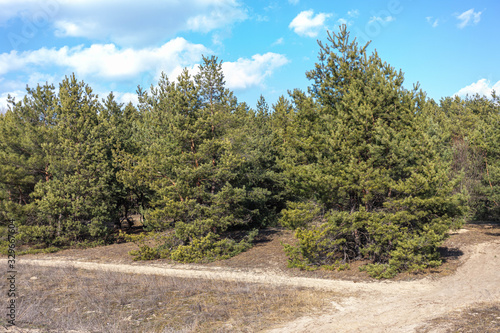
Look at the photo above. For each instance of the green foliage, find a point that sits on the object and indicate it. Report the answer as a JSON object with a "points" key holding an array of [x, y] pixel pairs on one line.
{"points": [[314, 248], [467, 135], [299, 214], [203, 249], [25, 130], [41, 234], [33, 250], [145, 252], [189, 158], [62, 146], [358, 146], [380, 271], [360, 166], [202, 159], [78, 200], [211, 247], [151, 245]]}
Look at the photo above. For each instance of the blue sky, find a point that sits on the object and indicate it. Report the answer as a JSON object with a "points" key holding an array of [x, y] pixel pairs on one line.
{"points": [[450, 47]]}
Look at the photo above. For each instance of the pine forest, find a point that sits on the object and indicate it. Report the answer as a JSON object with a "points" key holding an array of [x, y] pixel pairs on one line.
{"points": [[360, 166]]}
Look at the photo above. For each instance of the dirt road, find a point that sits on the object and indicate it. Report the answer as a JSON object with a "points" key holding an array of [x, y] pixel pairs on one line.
{"points": [[404, 307], [371, 306]]}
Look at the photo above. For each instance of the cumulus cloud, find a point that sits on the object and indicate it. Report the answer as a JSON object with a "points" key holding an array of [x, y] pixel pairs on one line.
{"points": [[221, 14], [239, 75], [109, 64], [126, 22], [482, 87], [245, 73], [107, 60], [307, 24], [468, 17]]}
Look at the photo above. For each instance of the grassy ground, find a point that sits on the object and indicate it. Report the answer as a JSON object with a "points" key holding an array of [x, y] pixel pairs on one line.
{"points": [[480, 318], [62, 299]]}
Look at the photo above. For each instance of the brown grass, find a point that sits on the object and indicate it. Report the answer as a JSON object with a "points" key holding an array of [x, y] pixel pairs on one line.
{"points": [[62, 299], [479, 318]]}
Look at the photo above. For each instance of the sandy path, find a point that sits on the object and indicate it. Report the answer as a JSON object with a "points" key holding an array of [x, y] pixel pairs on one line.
{"points": [[225, 274], [397, 309], [373, 307]]}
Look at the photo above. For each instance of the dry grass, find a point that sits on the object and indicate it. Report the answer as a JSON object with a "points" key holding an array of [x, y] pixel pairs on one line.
{"points": [[480, 318], [62, 299]]}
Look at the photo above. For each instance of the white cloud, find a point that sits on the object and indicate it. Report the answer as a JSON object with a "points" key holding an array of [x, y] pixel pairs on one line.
{"points": [[262, 18], [293, 2], [279, 41], [217, 14], [306, 24], [383, 20], [353, 13], [482, 87], [126, 98], [126, 22], [17, 94], [36, 78], [107, 61], [433, 22], [468, 17], [246, 73], [341, 21], [174, 74]]}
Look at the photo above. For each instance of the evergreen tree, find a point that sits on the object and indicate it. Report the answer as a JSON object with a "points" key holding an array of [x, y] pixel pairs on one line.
{"points": [[78, 202], [25, 129], [120, 124], [196, 159], [491, 148], [469, 140], [376, 185]]}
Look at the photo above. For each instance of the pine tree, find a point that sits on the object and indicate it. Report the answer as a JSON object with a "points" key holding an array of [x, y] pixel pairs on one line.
{"points": [[491, 148], [192, 157], [120, 123], [25, 129], [467, 138], [78, 202], [377, 185]]}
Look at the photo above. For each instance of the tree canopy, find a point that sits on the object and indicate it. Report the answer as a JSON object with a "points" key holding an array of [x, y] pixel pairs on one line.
{"points": [[360, 166]]}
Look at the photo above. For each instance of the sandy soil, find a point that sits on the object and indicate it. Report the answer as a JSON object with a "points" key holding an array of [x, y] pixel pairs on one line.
{"points": [[407, 306], [369, 306]]}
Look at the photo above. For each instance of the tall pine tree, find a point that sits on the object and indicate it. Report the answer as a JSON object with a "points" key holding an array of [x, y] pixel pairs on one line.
{"points": [[25, 130], [78, 201], [199, 162], [379, 188]]}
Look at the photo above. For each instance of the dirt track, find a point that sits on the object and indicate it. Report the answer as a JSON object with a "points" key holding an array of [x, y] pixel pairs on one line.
{"points": [[371, 307], [403, 307]]}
